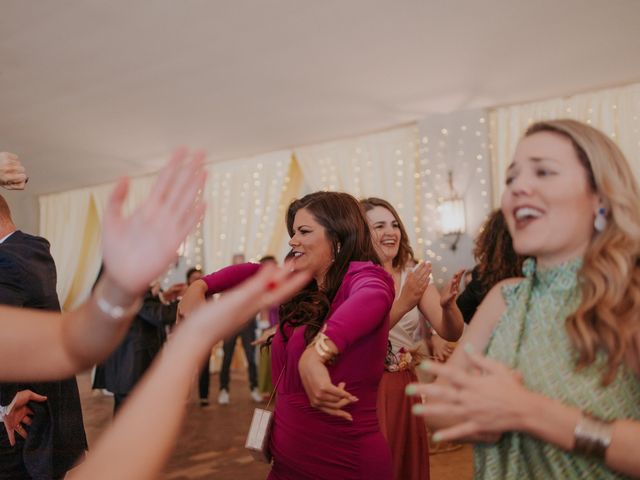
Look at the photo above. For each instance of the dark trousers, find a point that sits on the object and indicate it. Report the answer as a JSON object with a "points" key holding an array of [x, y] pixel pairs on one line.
{"points": [[203, 381], [248, 335], [11, 464]]}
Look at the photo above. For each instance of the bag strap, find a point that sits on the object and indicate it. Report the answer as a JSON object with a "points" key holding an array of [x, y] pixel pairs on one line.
{"points": [[275, 387]]}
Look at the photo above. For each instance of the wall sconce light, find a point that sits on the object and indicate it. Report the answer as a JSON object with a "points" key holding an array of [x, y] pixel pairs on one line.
{"points": [[452, 214]]}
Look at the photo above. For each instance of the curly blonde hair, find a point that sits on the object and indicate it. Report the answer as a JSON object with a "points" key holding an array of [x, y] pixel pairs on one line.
{"points": [[608, 316]]}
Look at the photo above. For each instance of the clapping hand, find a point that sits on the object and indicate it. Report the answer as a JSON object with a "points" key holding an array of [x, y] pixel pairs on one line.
{"points": [[450, 290], [139, 248], [488, 399], [440, 348], [415, 284], [12, 173]]}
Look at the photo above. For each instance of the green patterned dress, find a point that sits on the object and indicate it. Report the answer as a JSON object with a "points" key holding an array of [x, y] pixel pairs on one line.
{"points": [[531, 337]]}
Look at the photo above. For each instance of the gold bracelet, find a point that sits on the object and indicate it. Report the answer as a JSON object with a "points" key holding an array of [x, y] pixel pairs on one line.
{"points": [[592, 436], [320, 344]]}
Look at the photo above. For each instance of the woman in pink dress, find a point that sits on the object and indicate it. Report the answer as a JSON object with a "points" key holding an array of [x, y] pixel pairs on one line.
{"points": [[330, 347]]}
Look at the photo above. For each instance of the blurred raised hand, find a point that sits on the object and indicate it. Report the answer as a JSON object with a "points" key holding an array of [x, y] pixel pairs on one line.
{"points": [[140, 247], [451, 290], [12, 173]]}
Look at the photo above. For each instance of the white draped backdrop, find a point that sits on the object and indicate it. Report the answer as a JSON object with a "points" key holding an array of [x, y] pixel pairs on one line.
{"points": [[615, 111], [408, 166]]}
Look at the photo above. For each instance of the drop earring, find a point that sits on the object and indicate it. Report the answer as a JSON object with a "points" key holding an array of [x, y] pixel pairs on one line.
{"points": [[600, 221], [337, 252]]}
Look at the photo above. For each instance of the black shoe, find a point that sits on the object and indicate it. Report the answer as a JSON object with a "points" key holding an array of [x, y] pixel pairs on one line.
{"points": [[204, 402]]}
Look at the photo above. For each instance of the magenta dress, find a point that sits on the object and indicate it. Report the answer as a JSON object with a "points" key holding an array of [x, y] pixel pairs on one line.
{"points": [[307, 443]]}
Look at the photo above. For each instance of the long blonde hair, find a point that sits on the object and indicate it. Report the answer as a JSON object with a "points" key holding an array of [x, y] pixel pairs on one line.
{"points": [[609, 313]]}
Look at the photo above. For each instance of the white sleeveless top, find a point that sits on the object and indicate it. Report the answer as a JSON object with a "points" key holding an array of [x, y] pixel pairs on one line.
{"points": [[409, 332]]}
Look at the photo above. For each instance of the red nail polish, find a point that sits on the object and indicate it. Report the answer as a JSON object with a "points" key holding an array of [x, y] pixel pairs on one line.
{"points": [[272, 285]]}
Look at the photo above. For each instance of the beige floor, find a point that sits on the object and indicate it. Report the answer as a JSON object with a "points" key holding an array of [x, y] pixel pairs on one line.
{"points": [[211, 445]]}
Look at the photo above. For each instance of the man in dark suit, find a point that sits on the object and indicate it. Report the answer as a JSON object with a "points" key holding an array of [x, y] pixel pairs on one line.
{"points": [[55, 437], [122, 370]]}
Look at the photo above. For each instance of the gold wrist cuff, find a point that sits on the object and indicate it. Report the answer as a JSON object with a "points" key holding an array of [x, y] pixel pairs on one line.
{"points": [[320, 345]]}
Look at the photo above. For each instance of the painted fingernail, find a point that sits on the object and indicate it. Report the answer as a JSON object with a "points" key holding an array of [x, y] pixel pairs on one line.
{"points": [[411, 389], [469, 348], [272, 285], [436, 437], [417, 409], [425, 365]]}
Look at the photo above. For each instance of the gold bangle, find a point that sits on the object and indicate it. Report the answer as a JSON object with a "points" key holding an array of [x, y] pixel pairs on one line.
{"points": [[321, 347], [592, 436]]}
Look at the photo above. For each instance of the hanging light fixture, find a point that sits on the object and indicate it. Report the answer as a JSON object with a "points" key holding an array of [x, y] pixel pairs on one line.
{"points": [[452, 214]]}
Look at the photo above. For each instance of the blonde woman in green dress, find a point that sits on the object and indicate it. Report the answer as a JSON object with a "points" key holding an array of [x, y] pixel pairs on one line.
{"points": [[558, 393]]}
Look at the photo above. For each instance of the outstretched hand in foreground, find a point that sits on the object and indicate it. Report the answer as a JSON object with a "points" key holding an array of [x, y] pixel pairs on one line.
{"points": [[162, 392], [139, 248]]}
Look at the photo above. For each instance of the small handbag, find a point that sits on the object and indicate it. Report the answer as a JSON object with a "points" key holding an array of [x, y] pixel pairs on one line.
{"points": [[260, 430]]}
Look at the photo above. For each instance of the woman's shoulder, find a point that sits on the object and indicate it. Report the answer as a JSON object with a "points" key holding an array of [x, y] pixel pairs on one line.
{"points": [[363, 271], [504, 289], [366, 268], [500, 295], [489, 312]]}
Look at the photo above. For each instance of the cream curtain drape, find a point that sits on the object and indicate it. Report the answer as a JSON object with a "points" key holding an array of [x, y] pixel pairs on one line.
{"points": [[377, 165], [615, 111], [245, 207], [408, 166], [66, 220], [71, 221], [455, 143]]}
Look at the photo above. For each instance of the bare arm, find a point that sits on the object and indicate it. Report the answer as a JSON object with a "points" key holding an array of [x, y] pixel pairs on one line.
{"points": [[156, 407], [192, 299], [447, 321], [135, 251]]}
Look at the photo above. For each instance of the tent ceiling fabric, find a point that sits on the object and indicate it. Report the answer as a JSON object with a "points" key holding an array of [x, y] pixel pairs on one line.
{"points": [[90, 91]]}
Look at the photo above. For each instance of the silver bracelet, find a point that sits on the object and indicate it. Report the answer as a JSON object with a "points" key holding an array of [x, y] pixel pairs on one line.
{"points": [[116, 312], [592, 436]]}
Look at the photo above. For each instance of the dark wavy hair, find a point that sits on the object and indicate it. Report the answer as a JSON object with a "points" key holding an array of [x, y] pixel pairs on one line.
{"points": [[405, 252], [494, 252], [348, 232]]}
